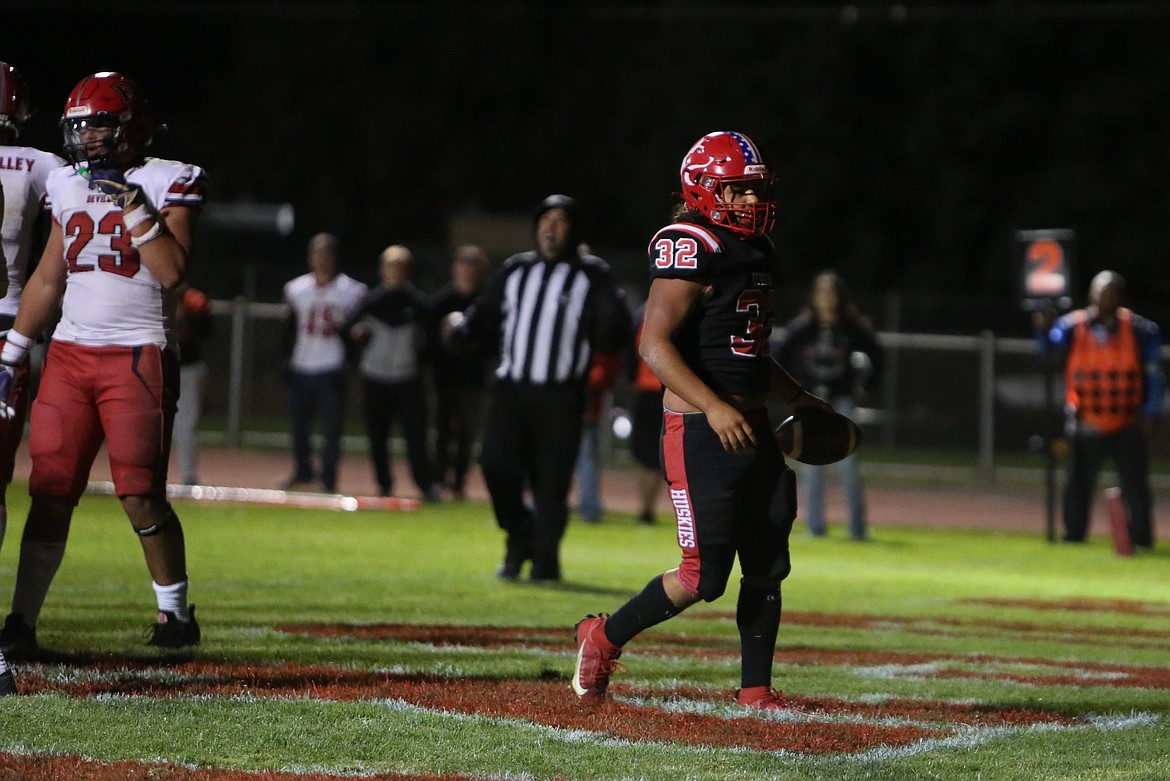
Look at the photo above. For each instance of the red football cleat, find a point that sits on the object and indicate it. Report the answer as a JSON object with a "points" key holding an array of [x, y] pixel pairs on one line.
{"points": [[764, 698], [596, 658]]}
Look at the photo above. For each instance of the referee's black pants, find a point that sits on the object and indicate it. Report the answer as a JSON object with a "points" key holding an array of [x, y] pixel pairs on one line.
{"points": [[530, 442]]}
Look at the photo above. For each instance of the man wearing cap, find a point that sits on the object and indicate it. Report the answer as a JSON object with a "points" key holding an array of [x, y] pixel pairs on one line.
{"points": [[546, 312]]}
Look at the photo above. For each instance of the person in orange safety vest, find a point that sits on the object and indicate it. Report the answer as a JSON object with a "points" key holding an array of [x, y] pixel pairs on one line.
{"points": [[1114, 388]]}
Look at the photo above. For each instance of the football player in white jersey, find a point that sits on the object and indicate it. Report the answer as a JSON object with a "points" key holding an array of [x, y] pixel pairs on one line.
{"points": [[23, 171], [118, 246]]}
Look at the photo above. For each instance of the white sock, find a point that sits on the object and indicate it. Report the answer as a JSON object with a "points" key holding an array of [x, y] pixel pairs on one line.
{"points": [[38, 566], [3, 664], [173, 599]]}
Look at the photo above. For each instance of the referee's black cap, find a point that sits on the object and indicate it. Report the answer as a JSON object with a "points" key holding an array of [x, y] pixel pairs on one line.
{"points": [[556, 201], [569, 205]]}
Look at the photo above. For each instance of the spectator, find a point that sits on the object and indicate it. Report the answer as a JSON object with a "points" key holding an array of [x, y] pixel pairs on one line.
{"points": [[111, 374], [394, 329], [705, 336], [1114, 388], [193, 324], [459, 379], [24, 225], [831, 348], [602, 373], [547, 311], [647, 429], [319, 303]]}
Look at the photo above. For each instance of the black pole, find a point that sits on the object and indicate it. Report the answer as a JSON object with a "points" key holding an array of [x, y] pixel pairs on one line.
{"points": [[1050, 449]]}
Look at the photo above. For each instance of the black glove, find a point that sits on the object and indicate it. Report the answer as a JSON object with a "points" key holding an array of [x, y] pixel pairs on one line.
{"points": [[113, 183]]}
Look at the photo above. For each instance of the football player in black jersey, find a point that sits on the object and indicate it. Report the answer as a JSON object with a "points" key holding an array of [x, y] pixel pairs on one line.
{"points": [[707, 322]]}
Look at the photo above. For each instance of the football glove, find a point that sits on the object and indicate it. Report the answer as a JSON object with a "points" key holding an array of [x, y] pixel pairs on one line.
{"points": [[7, 380], [113, 183]]}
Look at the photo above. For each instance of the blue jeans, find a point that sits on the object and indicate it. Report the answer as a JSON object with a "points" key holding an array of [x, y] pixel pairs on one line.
{"points": [[812, 493], [319, 394]]}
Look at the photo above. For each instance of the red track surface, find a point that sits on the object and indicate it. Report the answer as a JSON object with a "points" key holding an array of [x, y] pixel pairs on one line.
{"points": [[972, 506]]}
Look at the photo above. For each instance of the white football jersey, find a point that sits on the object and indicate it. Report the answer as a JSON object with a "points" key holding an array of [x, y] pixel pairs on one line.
{"points": [[111, 298], [321, 310], [23, 173]]}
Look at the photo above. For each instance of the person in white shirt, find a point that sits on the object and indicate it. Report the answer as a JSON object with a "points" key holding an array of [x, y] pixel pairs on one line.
{"points": [[119, 244], [319, 304]]}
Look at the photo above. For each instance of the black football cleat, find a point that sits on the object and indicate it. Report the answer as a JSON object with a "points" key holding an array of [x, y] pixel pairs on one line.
{"points": [[170, 632], [7, 683], [18, 640]]}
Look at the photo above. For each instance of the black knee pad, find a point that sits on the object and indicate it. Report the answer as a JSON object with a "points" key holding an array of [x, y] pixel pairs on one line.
{"points": [[150, 531], [715, 564], [711, 585]]}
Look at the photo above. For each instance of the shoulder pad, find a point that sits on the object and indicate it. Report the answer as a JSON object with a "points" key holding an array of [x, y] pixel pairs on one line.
{"points": [[703, 235]]}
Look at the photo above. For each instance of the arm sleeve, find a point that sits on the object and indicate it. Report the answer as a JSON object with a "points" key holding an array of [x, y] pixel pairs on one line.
{"points": [[1059, 336], [867, 342], [1150, 346], [356, 314], [480, 329]]}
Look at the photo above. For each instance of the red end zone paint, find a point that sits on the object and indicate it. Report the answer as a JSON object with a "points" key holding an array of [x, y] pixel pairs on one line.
{"points": [[1131, 607], [708, 647], [548, 703], [685, 715]]}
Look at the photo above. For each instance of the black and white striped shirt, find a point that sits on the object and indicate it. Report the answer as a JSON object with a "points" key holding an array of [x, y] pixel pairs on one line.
{"points": [[548, 317]]}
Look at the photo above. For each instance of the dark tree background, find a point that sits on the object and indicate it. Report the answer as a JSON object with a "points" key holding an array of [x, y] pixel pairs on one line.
{"points": [[910, 142]]}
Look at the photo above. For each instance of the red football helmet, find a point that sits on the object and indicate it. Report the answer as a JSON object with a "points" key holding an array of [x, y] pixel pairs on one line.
{"points": [[106, 100], [13, 99], [725, 158]]}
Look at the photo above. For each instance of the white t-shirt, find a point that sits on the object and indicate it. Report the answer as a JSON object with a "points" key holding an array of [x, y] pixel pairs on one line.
{"points": [[320, 311], [23, 173], [110, 297]]}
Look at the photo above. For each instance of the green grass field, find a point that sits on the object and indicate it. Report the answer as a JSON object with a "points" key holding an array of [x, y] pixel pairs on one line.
{"points": [[340, 645]]}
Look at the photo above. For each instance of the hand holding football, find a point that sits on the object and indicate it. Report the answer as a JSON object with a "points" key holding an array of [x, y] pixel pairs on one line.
{"points": [[816, 436]]}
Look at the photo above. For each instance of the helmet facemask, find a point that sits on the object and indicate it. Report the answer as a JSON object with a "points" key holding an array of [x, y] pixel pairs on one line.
{"points": [[744, 217], [94, 153]]}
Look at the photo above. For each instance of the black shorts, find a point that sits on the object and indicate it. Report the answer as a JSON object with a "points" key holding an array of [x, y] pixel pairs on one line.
{"points": [[727, 503]]}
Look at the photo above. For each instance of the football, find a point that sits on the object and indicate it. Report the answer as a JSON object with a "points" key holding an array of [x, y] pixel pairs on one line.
{"points": [[816, 436]]}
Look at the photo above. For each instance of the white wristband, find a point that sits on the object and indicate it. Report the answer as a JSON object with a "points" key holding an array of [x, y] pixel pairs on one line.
{"points": [[16, 345], [136, 216], [152, 234]]}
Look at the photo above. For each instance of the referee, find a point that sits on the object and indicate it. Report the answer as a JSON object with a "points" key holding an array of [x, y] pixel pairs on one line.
{"points": [[545, 312]]}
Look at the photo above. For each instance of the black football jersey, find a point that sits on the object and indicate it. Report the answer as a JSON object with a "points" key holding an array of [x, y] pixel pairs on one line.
{"points": [[725, 338]]}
